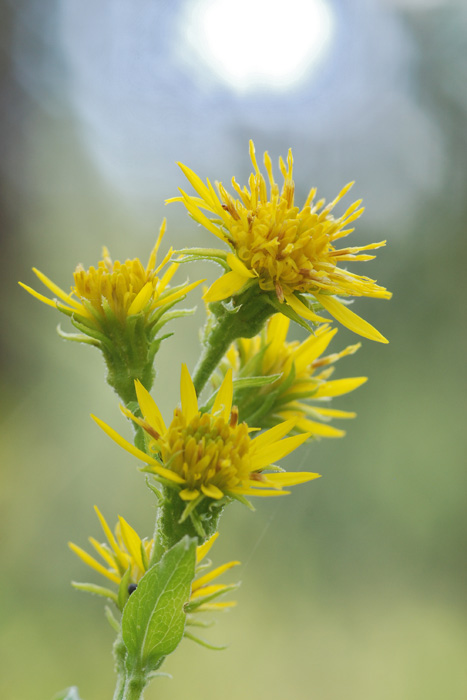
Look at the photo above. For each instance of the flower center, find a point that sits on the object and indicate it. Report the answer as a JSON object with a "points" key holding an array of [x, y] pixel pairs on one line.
{"points": [[117, 283], [207, 450], [289, 249]]}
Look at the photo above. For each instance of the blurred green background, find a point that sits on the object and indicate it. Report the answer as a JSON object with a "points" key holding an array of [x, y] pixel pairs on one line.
{"points": [[354, 586]]}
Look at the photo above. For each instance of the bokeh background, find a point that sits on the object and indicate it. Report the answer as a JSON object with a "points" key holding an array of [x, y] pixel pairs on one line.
{"points": [[354, 586]]}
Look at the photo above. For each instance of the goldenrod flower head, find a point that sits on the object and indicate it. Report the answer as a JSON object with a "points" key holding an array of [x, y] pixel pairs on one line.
{"points": [[303, 382], [120, 308], [125, 557], [284, 249], [115, 290], [209, 455]]}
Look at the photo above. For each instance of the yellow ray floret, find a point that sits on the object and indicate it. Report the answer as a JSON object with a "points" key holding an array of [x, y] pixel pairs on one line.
{"points": [[303, 389], [122, 289], [211, 454], [125, 552], [284, 249]]}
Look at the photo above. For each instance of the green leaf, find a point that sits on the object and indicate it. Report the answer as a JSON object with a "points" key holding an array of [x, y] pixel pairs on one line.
{"points": [[68, 694], [154, 617]]}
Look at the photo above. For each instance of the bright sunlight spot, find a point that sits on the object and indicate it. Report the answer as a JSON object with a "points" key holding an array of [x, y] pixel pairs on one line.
{"points": [[266, 44]]}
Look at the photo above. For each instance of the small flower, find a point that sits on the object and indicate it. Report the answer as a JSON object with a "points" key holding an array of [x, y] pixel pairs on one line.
{"points": [[288, 252], [302, 382], [125, 559], [209, 455], [120, 308]]}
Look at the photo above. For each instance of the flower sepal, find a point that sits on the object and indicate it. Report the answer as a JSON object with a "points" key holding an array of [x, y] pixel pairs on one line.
{"points": [[95, 590], [215, 255]]}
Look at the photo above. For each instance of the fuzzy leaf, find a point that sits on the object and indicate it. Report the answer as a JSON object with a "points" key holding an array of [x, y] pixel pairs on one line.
{"points": [[153, 620]]}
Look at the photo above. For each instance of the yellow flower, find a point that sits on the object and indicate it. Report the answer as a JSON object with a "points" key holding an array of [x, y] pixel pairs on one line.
{"points": [[210, 455], [302, 385], [125, 559], [120, 309], [115, 290], [285, 250]]}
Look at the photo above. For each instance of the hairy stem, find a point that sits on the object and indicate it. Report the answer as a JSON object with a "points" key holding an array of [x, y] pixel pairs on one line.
{"points": [[243, 318]]}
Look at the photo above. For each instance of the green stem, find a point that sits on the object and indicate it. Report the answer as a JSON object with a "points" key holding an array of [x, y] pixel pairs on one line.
{"points": [[168, 530], [130, 687], [118, 694], [244, 318], [214, 350]]}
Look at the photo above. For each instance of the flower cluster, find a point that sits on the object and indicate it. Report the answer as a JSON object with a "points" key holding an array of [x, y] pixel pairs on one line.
{"points": [[301, 387], [269, 395], [283, 249], [209, 455], [120, 308], [125, 558]]}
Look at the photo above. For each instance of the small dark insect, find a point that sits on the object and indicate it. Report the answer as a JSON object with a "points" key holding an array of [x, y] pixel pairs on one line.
{"points": [[131, 588]]}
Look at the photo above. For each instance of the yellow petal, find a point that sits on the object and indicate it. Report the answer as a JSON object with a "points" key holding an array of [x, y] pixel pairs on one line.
{"points": [[302, 310], [105, 554], [291, 478], [333, 412], [119, 554], [276, 337], [223, 402], [236, 265], [90, 561], [198, 185], [249, 491], [311, 349], [156, 467], [226, 286], [141, 299], [208, 590], [188, 395], [179, 293], [149, 408], [349, 319], [189, 494], [321, 429], [153, 257], [215, 606], [41, 297], [132, 542], [337, 387], [273, 434], [212, 491], [201, 218], [272, 453], [203, 549], [203, 580], [55, 289]]}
